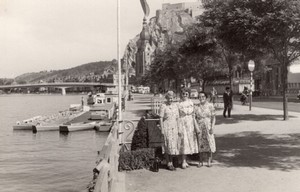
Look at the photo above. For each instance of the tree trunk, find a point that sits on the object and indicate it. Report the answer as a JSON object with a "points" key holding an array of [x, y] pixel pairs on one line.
{"points": [[284, 92], [230, 81], [203, 85], [230, 75], [177, 85]]}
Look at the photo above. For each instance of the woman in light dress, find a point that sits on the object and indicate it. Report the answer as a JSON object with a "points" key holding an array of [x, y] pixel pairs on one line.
{"points": [[169, 128], [205, 117], [187, 135]]}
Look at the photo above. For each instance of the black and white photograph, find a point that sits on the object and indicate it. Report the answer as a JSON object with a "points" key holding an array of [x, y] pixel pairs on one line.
{"points": [[149, 95]]}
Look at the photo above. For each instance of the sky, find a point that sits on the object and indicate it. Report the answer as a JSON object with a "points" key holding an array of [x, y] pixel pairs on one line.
{"points": [[37, 35]]}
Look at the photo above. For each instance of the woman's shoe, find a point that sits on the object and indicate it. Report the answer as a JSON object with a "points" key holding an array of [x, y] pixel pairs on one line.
{"points": [[171, 168], [200, 165], [184, 165]]}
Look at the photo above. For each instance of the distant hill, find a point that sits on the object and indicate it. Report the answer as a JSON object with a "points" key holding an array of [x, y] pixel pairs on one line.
{"points": [[96, 68]]}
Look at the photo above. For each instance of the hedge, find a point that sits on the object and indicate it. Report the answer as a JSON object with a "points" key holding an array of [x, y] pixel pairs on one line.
{"points": [[138, 159]]}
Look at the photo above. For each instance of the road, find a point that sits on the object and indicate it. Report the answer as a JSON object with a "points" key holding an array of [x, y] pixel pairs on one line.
{"points": [[273, 103]]}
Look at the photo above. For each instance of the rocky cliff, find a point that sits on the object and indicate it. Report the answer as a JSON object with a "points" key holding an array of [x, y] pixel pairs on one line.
{"points": [[167, 27]]}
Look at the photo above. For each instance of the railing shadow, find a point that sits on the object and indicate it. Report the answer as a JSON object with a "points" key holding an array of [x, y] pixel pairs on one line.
{"points": [[252, 149]]}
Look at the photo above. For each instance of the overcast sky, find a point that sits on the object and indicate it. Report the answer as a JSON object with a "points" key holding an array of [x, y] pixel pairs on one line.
{"points": [[38, 35]]}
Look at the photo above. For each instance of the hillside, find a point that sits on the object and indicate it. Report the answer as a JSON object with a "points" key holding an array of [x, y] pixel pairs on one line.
{"points": [[96, 68]]}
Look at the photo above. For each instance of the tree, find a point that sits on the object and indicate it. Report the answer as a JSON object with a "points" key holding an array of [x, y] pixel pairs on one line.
{"points": [[200, 55], [214, 21], [163, 67], [261, 26], [193, 57]]}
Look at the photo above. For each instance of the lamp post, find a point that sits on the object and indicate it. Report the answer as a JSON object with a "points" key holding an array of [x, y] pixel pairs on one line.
{"points": [[119, 73], [251, 66]]}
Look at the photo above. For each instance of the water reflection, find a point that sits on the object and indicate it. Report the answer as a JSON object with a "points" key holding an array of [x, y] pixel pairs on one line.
{"points": [[63, 136]]}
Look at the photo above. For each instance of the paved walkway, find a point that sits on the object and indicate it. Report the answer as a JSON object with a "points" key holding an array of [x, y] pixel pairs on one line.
{"points": [[256, 151]]}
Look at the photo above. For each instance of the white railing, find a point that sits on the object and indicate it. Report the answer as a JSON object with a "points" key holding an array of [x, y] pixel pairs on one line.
{"points": [[106, 171]]}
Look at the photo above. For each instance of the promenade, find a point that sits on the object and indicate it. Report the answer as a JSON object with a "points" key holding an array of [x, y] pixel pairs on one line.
{"points": [[256, 151]]}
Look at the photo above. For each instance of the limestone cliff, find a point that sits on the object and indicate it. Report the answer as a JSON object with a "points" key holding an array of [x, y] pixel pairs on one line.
{"points": [[168, 26]]}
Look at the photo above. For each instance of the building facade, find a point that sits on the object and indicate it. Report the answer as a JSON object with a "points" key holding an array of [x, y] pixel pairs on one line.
{"points": [[144, 52], [271, 83], [193, 8]]}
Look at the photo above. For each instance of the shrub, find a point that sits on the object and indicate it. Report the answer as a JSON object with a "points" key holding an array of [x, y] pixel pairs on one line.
{"points": [[140, 136], [139, 159]]}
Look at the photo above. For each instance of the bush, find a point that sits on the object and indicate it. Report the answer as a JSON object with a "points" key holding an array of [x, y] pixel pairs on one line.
{"points": [[139, 159], [140, 136]]}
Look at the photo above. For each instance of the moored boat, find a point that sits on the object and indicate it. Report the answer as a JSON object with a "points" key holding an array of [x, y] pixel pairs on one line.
{"points": [[46, 123], [103, 126], [49, 127], [26, 124], [77, 127], [23, 126]]}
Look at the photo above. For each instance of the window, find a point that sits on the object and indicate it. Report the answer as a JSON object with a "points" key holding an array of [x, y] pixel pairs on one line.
{"points": [[108, 100]]}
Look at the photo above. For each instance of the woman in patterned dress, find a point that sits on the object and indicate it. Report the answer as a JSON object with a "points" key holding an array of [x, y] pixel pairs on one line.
{"points": [[205, 117], [169, 128], [187, 136]]}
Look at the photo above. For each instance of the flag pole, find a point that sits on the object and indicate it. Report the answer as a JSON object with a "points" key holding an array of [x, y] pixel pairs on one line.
{"points": [[119, 72]]}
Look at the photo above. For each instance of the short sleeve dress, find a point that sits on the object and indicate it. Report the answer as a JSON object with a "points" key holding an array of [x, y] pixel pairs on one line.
{"points": [[204, 114], [188, 139], [169, 114]]}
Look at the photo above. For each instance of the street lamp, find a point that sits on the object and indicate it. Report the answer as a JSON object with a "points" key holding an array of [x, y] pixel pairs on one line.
{"points": [[119, 74], [251, 66]]}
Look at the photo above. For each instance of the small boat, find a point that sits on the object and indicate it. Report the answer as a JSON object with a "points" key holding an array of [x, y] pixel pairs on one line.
{"points": [[23, 126], [103, 126], [47, 127], [77, 127], [26, 124]]}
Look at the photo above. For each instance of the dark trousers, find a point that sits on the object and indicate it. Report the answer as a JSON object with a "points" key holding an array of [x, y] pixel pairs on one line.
{"points": [[228, 109]]}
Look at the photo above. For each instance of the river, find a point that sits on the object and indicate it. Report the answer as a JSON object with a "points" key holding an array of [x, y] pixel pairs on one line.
{"points": [[45, 161]]}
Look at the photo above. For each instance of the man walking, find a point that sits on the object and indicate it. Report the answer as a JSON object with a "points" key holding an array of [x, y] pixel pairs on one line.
{"points": [[227, 98]]}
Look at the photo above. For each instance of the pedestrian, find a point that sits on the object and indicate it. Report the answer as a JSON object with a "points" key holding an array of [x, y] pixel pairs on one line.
{"points": [[82, 102], [169, 128], [205, 118], [227, 99], [298, 95], [244, 96], [187, 137], [214, 94]]}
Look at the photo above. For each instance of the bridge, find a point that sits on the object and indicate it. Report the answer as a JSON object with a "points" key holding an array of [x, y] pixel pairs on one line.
{"points": [[61, 85]]}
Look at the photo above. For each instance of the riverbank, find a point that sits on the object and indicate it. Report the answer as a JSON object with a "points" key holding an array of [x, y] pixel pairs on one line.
{"points": [[256, 151]]}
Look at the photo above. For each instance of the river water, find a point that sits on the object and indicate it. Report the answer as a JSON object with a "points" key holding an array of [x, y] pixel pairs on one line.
{"points": [[46, 161]]}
